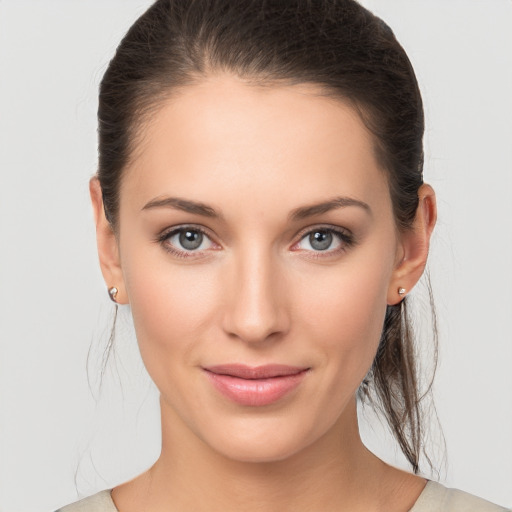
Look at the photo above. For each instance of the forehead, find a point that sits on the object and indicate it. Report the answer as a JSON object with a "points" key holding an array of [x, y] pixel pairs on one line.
{"points": [[223, 136]]}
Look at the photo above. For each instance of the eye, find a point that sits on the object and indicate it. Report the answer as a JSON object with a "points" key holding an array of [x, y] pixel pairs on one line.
{"points": [[320, 240], [186, 241], [328, 240]]}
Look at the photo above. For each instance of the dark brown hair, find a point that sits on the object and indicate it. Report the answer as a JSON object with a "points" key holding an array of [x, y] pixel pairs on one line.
{"points": [[336, 44]]}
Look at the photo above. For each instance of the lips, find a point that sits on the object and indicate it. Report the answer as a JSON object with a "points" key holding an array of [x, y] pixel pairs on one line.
{"points": [[255, 386]]}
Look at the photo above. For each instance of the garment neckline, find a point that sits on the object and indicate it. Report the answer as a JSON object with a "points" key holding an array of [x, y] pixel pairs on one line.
{"points": [[430, 485]]}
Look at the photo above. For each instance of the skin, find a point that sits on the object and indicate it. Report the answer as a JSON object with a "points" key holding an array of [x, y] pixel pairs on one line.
{"points": [[257, 292]]}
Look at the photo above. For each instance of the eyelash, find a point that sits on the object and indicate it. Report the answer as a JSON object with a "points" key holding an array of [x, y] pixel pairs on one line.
{"points": [[164, 237], [345, 237]]}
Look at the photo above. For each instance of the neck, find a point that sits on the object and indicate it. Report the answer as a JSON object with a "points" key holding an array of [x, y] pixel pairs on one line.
{"points": [[336, 472]]}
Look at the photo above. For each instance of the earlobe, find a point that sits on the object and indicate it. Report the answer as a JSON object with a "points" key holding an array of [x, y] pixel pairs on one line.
{"points": [[415, 245], [108, 249]]}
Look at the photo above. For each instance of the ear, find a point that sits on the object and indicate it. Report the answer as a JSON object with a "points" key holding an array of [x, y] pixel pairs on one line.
{"points": [[414, 246], [108, 248]]}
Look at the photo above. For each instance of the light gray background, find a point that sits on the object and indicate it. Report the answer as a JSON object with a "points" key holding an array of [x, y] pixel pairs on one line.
{"points": [[54, 436]]}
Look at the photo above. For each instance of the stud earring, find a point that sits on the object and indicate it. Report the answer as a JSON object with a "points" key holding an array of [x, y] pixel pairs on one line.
{"points": [[112, 292], [401, 292]]}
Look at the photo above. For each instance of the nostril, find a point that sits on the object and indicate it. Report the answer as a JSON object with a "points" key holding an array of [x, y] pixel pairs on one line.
{"points": [[253, 323], [254, 307]]}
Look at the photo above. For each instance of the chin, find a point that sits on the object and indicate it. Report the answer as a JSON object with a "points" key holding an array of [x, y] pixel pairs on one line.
{"points": [[256, 451], [256, 443]]}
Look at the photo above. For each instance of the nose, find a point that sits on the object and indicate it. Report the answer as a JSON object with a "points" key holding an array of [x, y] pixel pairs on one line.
{"points": [[255, 308]]}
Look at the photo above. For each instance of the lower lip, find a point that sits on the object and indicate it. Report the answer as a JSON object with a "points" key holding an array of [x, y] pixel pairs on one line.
{"points": [[255, 392]]}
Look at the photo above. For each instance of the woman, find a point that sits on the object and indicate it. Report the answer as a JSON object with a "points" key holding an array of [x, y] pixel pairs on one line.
{"points": [[260, 205]]}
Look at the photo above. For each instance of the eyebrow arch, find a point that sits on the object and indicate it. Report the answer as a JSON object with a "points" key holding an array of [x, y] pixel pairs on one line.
{"points": [[303, 212], [317, 209], [185, 205]]}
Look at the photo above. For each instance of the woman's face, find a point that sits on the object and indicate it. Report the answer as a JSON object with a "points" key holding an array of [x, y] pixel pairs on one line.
{"points": [[258, 251]]}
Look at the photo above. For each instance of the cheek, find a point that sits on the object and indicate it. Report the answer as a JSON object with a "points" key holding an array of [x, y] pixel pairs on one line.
{"points": [[172, 307], [345, 309]]}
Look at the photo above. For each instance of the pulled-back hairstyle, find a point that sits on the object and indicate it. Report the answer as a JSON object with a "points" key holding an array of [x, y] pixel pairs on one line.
{"points": [[335, 44]]}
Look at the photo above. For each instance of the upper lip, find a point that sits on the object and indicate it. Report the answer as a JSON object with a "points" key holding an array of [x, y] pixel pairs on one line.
{"points": [[266, 371]]}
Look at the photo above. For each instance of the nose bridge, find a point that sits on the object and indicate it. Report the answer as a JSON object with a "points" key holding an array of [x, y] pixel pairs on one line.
{"points": [[255, 309]]}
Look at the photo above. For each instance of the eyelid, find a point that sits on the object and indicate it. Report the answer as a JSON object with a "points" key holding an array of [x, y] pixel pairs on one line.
{"points": [[323, 227], [168, 232], [164, 233], [346, 236]]}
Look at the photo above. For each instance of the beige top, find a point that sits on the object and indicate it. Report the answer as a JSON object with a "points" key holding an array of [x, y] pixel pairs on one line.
{"points": [[434, 498]]}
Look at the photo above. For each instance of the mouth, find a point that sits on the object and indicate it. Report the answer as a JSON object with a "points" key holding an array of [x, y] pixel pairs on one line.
{"points": [[255, 386]]}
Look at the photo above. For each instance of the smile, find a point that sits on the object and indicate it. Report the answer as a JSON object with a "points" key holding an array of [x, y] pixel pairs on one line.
{"points": [[255, 386]]}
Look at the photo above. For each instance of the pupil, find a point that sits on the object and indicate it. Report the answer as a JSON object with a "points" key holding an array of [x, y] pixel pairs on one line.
{"points": [[320, 240], [191, 240]]}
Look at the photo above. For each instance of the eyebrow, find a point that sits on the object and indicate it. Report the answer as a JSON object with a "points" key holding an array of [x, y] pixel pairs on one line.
{"points": [[185, 205], [303, 212], [333, 204]]}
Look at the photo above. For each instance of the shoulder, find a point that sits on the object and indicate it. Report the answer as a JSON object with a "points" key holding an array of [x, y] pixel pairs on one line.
{"points": [[101, 502], [437, 498]]}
